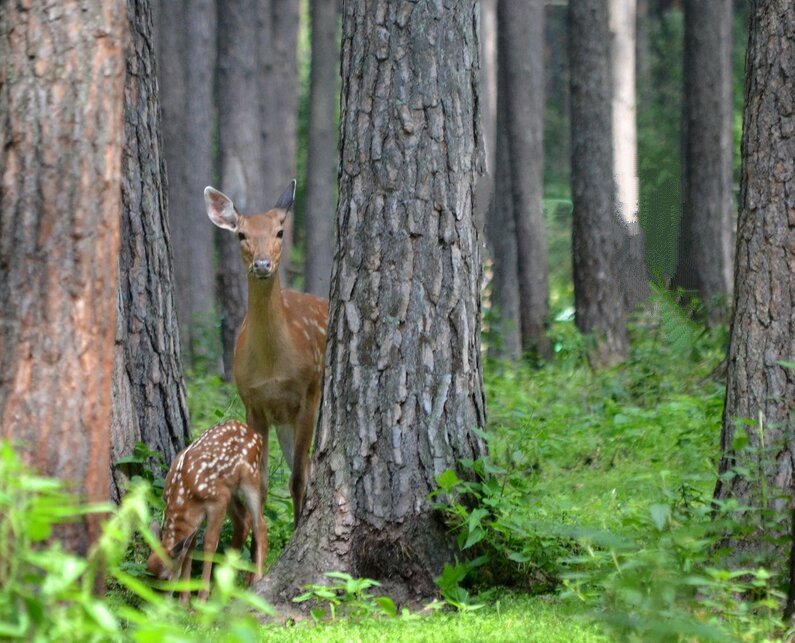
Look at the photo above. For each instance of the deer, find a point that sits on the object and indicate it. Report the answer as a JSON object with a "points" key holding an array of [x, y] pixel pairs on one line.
{"points": [[280, 347], [218, 474]]}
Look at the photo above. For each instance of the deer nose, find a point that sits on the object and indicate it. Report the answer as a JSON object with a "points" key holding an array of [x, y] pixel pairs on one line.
{"points": [[263, 267]]}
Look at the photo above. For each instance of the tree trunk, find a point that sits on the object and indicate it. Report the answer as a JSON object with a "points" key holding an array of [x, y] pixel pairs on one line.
{"points": [[520, 45], [500, 228], [760, 390], [149, 402], [61, 97], [705, 237], [186, 47], [241, 154], [278, 86], [596, 233], [488, 108], [403, 382], [321, 160], [632, 264]]}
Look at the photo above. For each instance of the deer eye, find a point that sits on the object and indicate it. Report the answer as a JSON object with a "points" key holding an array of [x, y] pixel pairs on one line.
{"points": [[280, 234]]}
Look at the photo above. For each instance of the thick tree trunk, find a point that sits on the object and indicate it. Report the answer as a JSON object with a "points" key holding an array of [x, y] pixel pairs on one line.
{"points": [[520, 45], [705, 237], [596, 232], [149, 403], [321, 161], [632, 264], [241, 154], [278, 87], [61, 100], [402, 383], [760, 390]]}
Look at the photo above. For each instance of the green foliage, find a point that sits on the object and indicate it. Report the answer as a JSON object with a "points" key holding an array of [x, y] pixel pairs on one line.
{"points": [[348, 596]]}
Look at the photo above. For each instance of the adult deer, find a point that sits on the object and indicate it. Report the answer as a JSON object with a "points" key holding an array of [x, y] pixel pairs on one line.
{"points": [[279, 352], [219, 473]]}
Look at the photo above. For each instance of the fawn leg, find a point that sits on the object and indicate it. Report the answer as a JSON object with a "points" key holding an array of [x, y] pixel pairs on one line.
{"points": [[215, 519]]}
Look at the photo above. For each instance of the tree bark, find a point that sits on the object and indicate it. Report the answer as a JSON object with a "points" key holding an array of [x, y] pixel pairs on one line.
{"points": [[402, 387], [241, 154], [705, 237], [520, 45], [149, 401], [596, 232], [278, 86], [322, 158], [500, 228], [632, 264], [186, 48], [61, 100], [760, 390]]}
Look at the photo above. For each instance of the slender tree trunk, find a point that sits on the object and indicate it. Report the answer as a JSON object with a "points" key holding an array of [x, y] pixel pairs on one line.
{"points": [[241, 153], [501, 234], [632, 264], [200, 51], [596, 232], [322, 157], [149, 402], [705, 237], [760, 389], [520, 38], [61, 100], [402, 385], [488, 108], [278, 86]]}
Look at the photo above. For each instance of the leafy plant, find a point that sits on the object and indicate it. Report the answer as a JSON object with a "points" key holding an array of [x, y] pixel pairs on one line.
{"points": [[348, 596]]}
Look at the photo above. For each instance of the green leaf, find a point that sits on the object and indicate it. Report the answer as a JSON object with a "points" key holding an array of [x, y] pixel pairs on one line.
{"points": [[102, 616], [660, 514], [387, 605], [474, 537], [447, 479]]}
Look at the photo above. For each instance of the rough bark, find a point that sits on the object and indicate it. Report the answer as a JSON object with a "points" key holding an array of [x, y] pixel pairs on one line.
{"points": [[596, 232], [241, 154], [149, 402], [632, 264], [321, 161], [760, 390], [705, 237], [186, 48], [61, 105], [278, 86], [402, 386], [520, 45]]}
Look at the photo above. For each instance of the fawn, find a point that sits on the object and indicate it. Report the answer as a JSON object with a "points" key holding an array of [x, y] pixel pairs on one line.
{"points": [[279, 353], [219, 473]]}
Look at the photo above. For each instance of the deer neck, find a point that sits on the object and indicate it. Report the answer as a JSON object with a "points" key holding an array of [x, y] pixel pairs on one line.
{"points": [[267, 322]]}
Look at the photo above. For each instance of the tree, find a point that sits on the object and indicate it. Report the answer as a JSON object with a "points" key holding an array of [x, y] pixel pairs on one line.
{"points": [[705, 238], [186, 68], [596, 233], [631, 262], [277, 75], [488, 107], [402, 387], [149, 401], [241, 153], [760, 386], [61, 97], [520, 53], [321, 158]]}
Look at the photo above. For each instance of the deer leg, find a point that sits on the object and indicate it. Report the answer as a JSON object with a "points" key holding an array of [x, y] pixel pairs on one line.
{"points": [[304, 430], [241, 522], [215, 519], [187, 562], [259, 538]]}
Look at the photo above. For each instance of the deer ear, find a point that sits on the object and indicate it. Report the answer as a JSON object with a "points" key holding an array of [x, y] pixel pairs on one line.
{"points": [[220, 209], [285, 201]]}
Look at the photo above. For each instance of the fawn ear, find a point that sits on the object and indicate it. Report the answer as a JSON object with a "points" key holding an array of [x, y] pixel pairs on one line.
{"points": [[220, 209], [285, 201]]}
